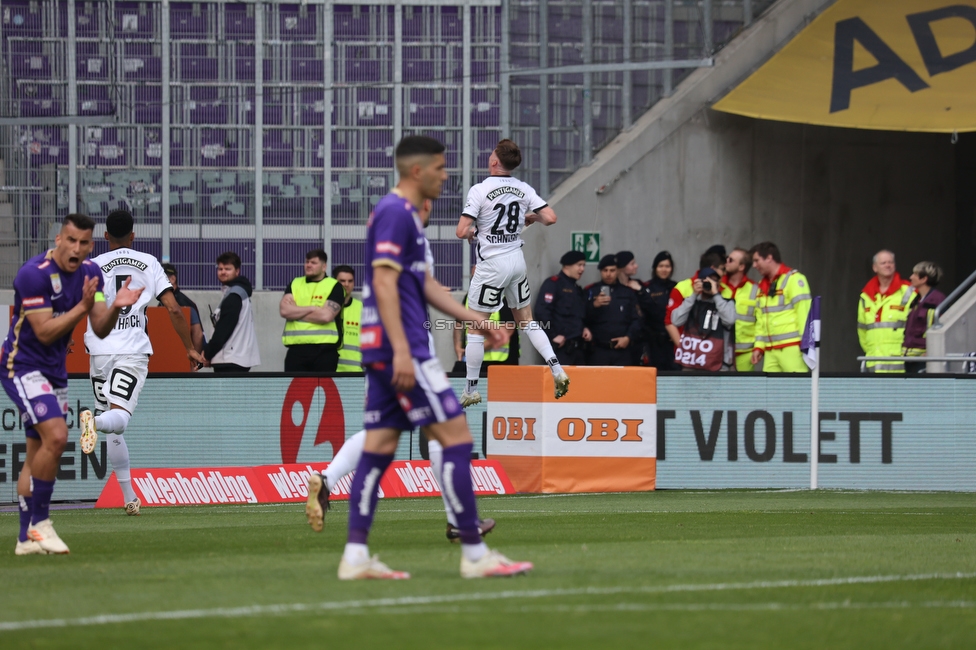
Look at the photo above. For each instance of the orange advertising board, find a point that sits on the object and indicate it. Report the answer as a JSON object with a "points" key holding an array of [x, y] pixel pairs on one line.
{"points": [[600, 437]]}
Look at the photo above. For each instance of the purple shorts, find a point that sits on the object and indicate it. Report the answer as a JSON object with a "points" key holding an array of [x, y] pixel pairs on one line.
{"points": [[38, 398], [431, 399]]}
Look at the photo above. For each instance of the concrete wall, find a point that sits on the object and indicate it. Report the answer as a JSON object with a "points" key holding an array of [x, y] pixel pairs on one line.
{"points": [[686, 177]]}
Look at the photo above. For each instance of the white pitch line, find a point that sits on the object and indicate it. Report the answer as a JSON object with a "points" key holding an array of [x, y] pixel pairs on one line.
{"points": [[415, 601]]}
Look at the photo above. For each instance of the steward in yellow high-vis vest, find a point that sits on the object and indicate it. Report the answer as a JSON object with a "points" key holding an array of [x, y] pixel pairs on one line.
{"points": [[312, 309], [881, 317], [782, 305], [350, 356], [746, 295], [507, 354]]}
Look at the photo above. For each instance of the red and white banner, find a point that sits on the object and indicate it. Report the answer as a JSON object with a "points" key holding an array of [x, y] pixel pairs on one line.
{"points": [[284, 483]]}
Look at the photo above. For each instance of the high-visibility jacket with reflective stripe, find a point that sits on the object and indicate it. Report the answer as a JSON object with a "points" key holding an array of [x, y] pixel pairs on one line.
{"points": [[781, 313], [881, 322], [311, 294], [350, 357], [745, 296], [497, 355]]}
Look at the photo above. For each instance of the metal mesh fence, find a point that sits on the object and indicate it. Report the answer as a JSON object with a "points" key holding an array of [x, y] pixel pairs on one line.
{"points": [[268, 127]]}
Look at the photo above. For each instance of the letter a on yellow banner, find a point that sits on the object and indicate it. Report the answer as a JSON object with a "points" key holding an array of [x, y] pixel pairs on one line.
{"points": [[900, 65]]}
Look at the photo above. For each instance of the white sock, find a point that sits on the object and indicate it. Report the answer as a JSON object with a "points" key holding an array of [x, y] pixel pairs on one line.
{"points": [[474, 552], [346, 460], [541, 343], [436, 453], [118, 454], [113, 421], [474, 354], [356, 554]]}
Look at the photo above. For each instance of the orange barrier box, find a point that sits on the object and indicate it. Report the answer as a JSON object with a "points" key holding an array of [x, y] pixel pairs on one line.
{"points": [[600, 437]]}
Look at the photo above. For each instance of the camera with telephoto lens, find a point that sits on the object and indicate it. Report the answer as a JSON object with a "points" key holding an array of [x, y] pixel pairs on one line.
{"points": [[708, 285]]}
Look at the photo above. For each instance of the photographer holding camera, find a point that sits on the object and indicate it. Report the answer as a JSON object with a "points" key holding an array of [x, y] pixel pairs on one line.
{"points": [[708, 319]]}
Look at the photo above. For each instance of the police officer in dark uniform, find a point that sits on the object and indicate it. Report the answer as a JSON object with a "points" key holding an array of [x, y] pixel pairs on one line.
{"points": [[612, 316], [561, 308]]}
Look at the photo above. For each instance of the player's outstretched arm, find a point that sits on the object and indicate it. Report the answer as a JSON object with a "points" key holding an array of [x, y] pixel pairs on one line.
{"points": [[181, 326], [387, 292], [465, 227], [103, 318], [49, 328], [546, 216]]}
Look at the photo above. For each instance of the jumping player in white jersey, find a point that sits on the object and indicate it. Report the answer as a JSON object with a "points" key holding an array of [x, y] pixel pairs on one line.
{"points": [[120, 361], [346, 459], [496, 212]]}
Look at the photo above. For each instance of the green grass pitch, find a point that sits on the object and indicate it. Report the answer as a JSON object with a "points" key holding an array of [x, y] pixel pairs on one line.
{"points": [[671, 569]]}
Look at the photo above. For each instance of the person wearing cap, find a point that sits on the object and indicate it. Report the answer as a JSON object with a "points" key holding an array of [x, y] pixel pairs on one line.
{"points": [[658, 349], [183, 300], [707, 320], [561, 308], [711, 258], [612, 316]]}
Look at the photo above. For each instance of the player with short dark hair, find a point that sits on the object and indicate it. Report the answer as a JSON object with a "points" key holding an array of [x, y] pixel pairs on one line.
{"points": [[52, 293], [496, 212], [120, 361], [406, 387]]}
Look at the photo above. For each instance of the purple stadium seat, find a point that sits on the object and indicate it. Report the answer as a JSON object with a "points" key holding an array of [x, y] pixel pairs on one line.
{"points": [[30, 66], [309, 70], [183, 24], [566, 30], [484, 71], [293, 25], [237, 23], [452, 28], [378, 141], [23, 21], [362, 71], [195, 260], [129, 23], [148, 106], [94, 100], [142, 68], [417, 70]]}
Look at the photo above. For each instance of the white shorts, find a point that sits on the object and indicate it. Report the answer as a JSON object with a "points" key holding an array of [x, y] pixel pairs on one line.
{"points": [[496, 277], [118, 379]]}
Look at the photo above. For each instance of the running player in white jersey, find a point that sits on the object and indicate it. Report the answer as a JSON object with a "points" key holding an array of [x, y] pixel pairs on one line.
{"points": [[120, 361], [496, 212]]}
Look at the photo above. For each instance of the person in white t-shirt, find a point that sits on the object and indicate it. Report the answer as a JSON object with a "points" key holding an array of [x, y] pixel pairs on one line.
{"points": [[120, 361], [496, 212]]}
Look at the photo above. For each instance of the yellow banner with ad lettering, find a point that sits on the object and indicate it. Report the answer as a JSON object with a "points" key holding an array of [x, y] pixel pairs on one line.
{"points": [[900, 65]]}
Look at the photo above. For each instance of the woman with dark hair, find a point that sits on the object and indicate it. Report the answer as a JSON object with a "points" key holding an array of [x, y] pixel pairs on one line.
{"points": [[925, 277], [658, 347]]}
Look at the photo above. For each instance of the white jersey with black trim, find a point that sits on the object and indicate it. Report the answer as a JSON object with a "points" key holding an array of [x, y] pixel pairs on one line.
{"points": [[499, 205], [129, 334]]}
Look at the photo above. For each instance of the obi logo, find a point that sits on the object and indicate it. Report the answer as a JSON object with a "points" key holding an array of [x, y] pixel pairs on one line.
{"points": [[513, 428], [298, 410], [599, 430]]}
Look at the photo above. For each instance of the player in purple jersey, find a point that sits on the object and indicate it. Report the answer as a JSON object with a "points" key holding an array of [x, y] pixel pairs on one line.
{"points": [[405, 384], [52, 293]]}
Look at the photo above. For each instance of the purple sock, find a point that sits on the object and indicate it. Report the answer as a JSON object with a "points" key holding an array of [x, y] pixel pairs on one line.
{"points": [[364, 494], [42, 499], [26, 508], [456, 480]]}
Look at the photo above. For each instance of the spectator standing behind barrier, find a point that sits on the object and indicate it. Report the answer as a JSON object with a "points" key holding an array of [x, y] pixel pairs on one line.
{"points": [[925, 277], [737, 286], [233, 346], [627, 276], [611, 315], [350, 357], [561, 309], [707, 319], [312, 307], [710, 258], [782, 305], [196, 325], [658, 349], [881, 314]]}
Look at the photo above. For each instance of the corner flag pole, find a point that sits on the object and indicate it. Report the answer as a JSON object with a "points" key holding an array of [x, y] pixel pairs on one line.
{"points": [[810, 346]]}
